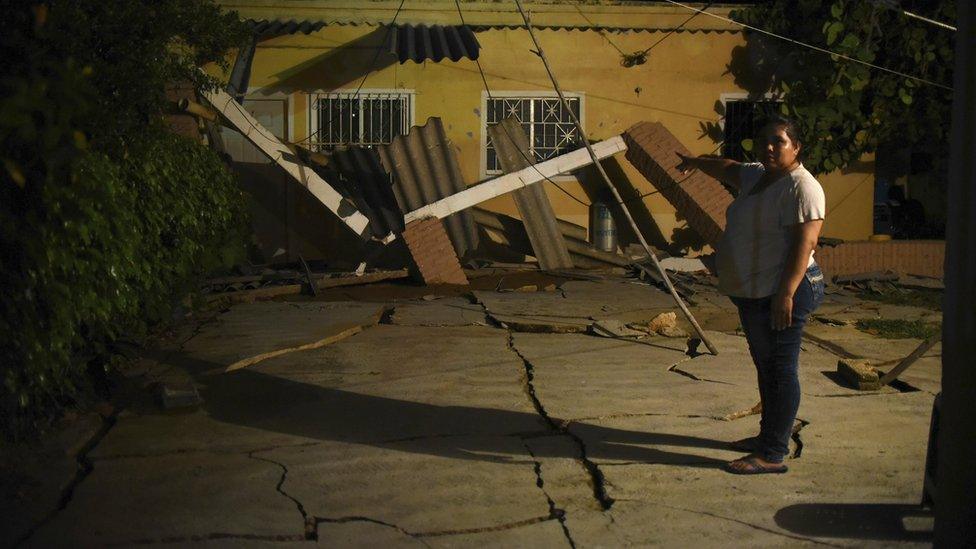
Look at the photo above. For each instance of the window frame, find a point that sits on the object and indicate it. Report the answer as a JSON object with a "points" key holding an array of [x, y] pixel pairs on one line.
{"points": [[725, 98], [313, 97], [522, 94]]}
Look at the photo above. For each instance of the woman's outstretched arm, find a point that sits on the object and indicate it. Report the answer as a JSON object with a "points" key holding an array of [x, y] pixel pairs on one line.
{"points": [[723, 169]]}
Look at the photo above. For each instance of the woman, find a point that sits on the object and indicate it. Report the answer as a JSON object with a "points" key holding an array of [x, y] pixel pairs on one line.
{"points": [[765, 265]]}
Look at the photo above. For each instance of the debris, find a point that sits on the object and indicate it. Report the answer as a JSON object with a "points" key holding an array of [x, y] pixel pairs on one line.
{"points": [[613, 328], [911, 358], [281, 154], [308, 276], [550, 288], [432, 253], [757, 409], [529, 288], [697, 197], [663, 321], [683, 264], [873, 276], [424, 167], [514, 232], [174, 397], [859, 373], [477, 194], [323, 281], [429, 297], [513, 152]]}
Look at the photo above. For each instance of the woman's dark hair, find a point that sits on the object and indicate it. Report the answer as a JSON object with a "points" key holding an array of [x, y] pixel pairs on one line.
{"points": [[788, 125]]}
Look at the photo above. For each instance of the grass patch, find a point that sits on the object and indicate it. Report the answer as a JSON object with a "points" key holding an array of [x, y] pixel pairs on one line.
{"points": [[927, 299], [899, 329]]}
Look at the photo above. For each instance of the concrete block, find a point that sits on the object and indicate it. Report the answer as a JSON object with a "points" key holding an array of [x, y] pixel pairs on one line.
{"points": [[859, 373]]}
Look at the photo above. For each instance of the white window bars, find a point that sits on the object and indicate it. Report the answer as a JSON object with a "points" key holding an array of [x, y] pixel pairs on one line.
{"points": [[368, 118], [547, 123]]}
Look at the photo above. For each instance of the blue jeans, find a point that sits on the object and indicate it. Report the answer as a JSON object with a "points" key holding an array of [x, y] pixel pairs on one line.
{"points": [[776, 354]]}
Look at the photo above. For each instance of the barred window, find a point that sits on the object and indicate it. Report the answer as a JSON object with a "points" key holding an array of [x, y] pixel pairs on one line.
{"points": [[547, 123], [367, 118], [742, 121]]}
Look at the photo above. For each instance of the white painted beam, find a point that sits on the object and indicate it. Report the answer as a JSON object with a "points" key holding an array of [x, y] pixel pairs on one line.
{"points": [[507, 183], [280, 154]]}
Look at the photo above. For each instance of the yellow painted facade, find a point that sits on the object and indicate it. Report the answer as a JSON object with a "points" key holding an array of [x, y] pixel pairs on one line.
{"points": [[681, 84]]}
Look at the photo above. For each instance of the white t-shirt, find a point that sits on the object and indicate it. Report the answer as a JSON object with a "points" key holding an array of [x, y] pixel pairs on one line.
{"points": [[752, 252]]}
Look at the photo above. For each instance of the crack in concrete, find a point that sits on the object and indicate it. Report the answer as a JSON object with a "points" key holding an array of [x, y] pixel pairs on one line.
{"points": [[800, 424], [596, 476], [185, 451], [419, 536], [213, 536], [566, 423], [519, 434], [309, 523], [554, 511], [343, 520], [85, 468]]}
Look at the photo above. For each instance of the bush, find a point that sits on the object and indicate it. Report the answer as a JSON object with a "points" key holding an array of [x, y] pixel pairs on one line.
{"points": [[106, 220]]}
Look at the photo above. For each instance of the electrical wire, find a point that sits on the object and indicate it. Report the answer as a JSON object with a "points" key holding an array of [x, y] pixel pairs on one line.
{"points": [[812, 47], [530, 161], [372, 65], [893, 6], [676, 29]]}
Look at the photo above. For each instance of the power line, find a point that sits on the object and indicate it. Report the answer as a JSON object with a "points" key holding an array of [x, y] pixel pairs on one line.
{"points": [[893, 6], [530, 161], [812, 47]]}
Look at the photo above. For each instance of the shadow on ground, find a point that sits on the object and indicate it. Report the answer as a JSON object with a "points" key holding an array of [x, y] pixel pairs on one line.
{"points": [[261, 401], [867, 521]]}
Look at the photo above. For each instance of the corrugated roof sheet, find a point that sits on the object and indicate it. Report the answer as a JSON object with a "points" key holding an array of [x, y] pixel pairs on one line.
{"points": [[512, 146], [425, 169], [264, 28], [418, 43], [370, 187]]}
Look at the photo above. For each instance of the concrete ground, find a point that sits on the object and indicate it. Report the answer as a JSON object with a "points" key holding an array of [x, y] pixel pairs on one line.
{"points": [[492, 419]]}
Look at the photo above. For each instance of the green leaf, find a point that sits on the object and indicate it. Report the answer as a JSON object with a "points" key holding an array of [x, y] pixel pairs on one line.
{"points": [[837, 10], [833, 30], [747, 145]]}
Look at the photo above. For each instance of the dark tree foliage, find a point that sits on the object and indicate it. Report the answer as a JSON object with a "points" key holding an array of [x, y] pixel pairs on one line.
{"points": [[846, 108], [105, 217]]}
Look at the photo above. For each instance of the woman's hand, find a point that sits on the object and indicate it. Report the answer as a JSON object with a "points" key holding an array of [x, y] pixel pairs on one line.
{"points": [[687, 163], [781, 311]]}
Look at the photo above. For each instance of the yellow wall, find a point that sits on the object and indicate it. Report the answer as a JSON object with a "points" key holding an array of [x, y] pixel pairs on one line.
{"points": [[679, 85]]}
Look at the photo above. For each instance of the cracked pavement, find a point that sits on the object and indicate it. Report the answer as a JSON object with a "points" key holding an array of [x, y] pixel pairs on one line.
{"points": [[454, 421]]}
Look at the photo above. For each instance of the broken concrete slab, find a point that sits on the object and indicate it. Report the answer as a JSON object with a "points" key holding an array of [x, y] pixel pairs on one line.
{"points": [[582, 376], [175, 497], [859, 374], [448, 311], [614, 328], [494, 489], [250, 332]]}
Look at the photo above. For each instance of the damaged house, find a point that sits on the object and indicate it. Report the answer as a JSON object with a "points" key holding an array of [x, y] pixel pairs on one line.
{"points": [[344, 82]]}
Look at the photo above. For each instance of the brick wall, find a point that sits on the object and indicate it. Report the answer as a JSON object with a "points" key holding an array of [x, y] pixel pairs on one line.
{"points": [[700, 199], [917, 257], [432, 253]]}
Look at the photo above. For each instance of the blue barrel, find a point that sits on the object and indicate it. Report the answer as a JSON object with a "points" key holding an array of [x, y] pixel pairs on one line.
{"points": [[603, 231]]}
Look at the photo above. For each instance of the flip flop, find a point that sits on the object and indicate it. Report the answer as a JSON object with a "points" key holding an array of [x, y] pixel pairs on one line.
{"points": [[749, 445], [755, 467]]}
